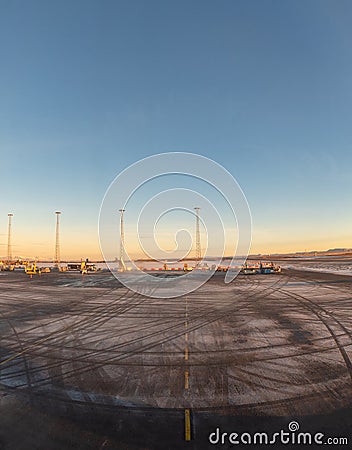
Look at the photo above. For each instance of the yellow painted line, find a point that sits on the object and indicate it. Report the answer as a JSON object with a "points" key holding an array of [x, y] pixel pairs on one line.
{"points": [[186, 354], [186, 379], [187, 425], [186, 337]]}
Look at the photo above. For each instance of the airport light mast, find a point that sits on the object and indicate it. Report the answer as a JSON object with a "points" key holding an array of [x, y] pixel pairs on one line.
{"points": [[198, 248], [122, 265], [9, 244], [57, 240]]}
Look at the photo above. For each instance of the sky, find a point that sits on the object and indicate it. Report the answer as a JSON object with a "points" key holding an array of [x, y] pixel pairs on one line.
{"points": [[88, 88]]}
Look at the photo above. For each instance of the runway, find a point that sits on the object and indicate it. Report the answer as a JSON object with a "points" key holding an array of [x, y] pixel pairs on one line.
{"points": [[136, 372]]}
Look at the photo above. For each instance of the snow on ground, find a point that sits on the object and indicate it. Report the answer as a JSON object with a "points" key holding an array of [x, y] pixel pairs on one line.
{"points": [[337, 268]]}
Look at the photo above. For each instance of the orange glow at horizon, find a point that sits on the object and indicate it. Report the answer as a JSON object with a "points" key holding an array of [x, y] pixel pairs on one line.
{"points": [[85, 244]]}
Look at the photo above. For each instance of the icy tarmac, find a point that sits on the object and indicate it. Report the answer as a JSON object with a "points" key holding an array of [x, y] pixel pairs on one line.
{"points": [[85, 357]]}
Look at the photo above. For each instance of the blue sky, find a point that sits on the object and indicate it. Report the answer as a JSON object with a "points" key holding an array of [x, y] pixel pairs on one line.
{"points": [[262, 87]]}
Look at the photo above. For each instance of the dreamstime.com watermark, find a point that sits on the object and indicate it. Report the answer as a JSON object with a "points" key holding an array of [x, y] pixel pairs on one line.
{"points": [[164, 185], [292, 436]]}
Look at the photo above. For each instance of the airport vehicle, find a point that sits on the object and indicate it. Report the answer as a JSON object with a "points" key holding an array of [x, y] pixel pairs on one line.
{"points": [[269, 268], [260, 268], [249, 270], [7, 267], [82, 267], [88, 267], [32, 269], [76, 267]]}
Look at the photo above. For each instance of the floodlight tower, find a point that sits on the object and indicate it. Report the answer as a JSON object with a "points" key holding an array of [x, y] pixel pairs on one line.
{"points": [[122, 265], [57, 240], [198, 249], [9, 244]]}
